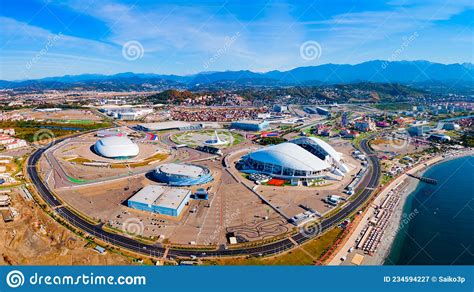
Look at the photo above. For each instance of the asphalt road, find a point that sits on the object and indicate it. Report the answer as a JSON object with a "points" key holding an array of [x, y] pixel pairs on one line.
{"points": [[367, 185]]}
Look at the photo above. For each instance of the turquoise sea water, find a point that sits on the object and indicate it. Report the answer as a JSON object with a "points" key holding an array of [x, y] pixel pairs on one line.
{"points": [[439, 219]]}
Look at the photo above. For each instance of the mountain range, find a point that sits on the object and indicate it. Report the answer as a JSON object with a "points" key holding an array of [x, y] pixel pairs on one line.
{"points": [[378, 71]]}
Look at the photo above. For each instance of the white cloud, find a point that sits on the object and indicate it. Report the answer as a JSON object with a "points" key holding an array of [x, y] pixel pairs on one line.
{"points": [[181, 39]]}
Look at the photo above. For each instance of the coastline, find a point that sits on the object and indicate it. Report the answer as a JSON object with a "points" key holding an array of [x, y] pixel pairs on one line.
{"points": [[393, 227], [408, 186]]}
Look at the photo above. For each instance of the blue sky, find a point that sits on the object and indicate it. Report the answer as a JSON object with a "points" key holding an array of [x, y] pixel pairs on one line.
{"points": [[54, 38]]}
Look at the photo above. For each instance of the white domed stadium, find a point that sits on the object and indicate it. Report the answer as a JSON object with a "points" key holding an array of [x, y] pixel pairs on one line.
{"points": [[297, 159], [286, 160], [120, 147], [323, 151]]}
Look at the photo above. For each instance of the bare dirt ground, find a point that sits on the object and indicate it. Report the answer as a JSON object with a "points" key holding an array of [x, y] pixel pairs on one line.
{"points": [[33, 238], [396, 146], [71, 114], [230, 204]]}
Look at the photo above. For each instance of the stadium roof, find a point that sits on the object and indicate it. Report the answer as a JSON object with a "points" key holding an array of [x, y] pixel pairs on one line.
{"points": [[328, 148], [181, 169], [291, 156], [116, 146], [325, 146]]}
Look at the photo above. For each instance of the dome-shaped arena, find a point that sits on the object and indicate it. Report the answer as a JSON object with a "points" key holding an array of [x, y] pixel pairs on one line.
{"points": [[318, 147], [176, 174], [323, 151], [302, 158], [286, 160], [116, 147]]}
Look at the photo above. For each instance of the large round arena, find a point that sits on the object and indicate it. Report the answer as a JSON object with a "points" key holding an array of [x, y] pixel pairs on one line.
{"points": [[176, 174], [323, 151], [301, 158], [119, 147]]}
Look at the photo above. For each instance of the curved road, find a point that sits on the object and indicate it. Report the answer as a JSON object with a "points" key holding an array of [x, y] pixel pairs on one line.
{"points": [[368, 184]]}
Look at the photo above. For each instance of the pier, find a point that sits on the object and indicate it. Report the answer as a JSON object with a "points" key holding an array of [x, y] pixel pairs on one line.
{"points": [[424, 179]]}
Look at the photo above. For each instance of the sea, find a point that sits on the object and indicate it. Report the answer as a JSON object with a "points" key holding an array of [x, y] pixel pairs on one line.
{"points": [[437, 226]]}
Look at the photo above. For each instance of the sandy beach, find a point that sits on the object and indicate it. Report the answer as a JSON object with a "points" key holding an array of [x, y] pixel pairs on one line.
{"points": [[397, 220], [395, 223], [405, 185]]}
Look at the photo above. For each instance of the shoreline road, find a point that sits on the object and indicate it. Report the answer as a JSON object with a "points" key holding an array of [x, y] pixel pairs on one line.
{"points": [[366, 188]]}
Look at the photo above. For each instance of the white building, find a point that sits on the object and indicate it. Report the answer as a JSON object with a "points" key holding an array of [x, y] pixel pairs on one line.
{"points": [[116, 147]]}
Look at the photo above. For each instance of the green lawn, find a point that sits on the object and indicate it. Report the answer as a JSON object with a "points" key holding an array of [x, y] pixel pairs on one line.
{"points": [[295, 257], [31, 130], [76, 180]]}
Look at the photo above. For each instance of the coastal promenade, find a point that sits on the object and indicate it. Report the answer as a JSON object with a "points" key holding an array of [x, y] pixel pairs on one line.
{"points": [[386, 240]]}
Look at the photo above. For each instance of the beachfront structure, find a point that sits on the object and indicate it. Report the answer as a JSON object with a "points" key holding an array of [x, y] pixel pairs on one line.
{"points": [[250, 125], [120, 147], [160, 200], [176, 174]]}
